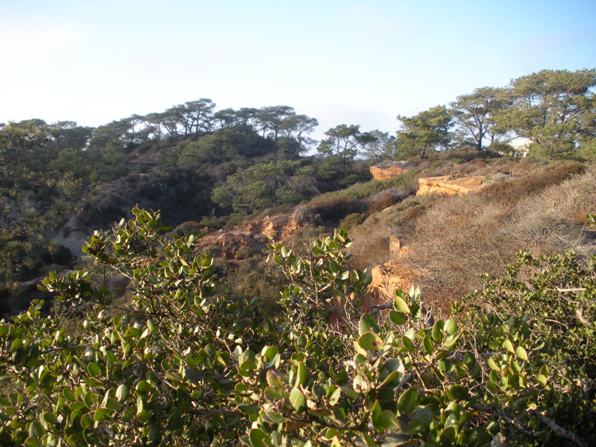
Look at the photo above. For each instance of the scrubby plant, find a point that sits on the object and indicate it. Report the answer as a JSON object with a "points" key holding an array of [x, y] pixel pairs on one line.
{"points": [[414, 380], [91, 373], [184, 364], [554, 299]]}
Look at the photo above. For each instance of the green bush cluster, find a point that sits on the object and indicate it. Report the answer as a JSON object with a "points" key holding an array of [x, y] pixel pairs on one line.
{"points": [[183, 364], [50, 173]]}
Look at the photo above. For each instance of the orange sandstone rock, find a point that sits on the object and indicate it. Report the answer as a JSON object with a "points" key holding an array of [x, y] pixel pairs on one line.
{"points": [[387, 170], [448, 186], [250, 237], [394, 245], [389, 278]]}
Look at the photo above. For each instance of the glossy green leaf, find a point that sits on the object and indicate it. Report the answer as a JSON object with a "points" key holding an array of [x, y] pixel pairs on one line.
{"points": [[509, 346], [35, 429], [437, 331], [398, 318], [301, 374], [94, 369], [408, 400], [258, 438], [382, 419], [408, 343], [101, 414], [450, 327], [370, 341], [521, 353], [492, 364], [400, 305], [367, 324], [121, 392], [297, 399]]}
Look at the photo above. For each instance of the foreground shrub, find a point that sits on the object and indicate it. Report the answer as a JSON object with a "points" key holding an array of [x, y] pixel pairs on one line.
{"points": [[554, 297], [183, 364]]}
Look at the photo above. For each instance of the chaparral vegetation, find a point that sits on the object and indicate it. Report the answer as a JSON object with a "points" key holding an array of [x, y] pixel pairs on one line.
{"points": [[203, 277]]}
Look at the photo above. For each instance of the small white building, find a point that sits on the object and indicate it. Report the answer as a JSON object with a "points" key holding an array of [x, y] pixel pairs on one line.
{"points": [[521, 146]]}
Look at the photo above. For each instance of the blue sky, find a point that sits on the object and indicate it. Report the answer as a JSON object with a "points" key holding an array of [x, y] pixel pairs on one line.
{"points": [[360, 62]]}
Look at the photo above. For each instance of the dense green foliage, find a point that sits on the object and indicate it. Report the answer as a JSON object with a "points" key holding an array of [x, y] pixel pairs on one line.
{"points": [[59, 178], [182, 363], [267, 184], [425, 132], [557, 308], [476, 113], [43, 171], [181, 359], [552, 108], [196, 163], [555, 108]]}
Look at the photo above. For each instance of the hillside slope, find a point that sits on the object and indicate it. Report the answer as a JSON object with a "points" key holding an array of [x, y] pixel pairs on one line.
{"points": [[448, 243], [445, 244]]}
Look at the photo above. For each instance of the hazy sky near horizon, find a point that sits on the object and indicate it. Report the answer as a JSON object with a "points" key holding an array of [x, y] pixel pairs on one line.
{"points": [[345, 61]]}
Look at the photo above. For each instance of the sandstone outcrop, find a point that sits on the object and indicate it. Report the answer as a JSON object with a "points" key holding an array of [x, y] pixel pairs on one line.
{"points": [[389, 278], [387, 170], [396, 248], [250, 237], [449, 186]]}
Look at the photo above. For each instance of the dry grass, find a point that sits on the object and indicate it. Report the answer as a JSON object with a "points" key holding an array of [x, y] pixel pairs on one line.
{"points": [[555, 220], [331, 208], [370, 239], [460, 238], [530, 178], [362, 190], [388, 197]]}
